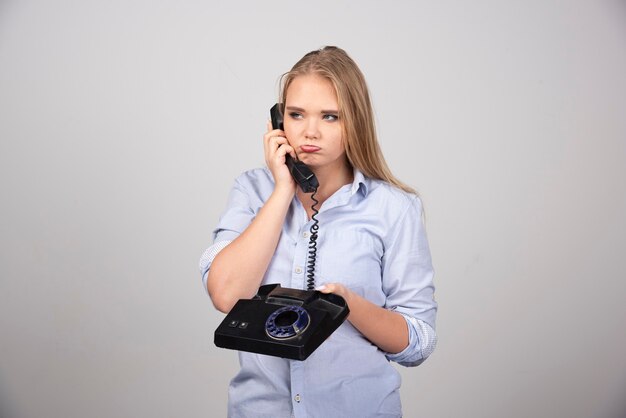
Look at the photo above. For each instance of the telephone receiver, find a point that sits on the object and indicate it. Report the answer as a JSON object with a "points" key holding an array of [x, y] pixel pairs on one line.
{"points": [[299, 171]]}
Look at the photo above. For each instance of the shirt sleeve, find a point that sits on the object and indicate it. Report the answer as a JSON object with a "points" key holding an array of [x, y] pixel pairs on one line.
{"points": [[207, 259], [238, 214], [408, 283], [243, 204]]}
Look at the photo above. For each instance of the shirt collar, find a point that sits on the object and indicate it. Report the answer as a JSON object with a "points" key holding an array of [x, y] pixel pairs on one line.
{"points": [[359, 182]]}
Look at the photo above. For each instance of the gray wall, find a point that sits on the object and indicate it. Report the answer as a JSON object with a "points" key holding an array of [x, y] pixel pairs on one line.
{"points": [[123, 124]]}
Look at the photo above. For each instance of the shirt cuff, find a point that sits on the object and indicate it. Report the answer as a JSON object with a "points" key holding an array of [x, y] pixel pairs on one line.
{"points": [[207, 259], [422, 342]]}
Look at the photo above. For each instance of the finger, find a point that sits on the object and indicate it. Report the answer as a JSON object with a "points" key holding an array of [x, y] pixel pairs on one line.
{"points": [[275, 143], [272, 142], [271, 137], [326, 288], [284, 149], [274, 132]]}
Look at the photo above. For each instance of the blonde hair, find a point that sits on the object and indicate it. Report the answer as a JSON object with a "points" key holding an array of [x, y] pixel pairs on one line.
{"points": [[355, 108]]}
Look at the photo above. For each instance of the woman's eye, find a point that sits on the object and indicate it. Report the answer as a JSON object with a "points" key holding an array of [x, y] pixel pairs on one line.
{"points": [[295, 115], [331, 118]]}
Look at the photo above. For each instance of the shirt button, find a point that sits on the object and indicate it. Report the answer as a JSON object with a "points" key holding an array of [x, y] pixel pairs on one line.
{"points": [[305, 234], [297, 398], [298, 270]]}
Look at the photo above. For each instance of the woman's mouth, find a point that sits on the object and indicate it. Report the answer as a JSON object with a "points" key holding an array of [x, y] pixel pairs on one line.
{"points": [[309, 148]]}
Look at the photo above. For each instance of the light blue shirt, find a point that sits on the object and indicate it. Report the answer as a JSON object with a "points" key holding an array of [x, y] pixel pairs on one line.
{"points": [[371, 239]]}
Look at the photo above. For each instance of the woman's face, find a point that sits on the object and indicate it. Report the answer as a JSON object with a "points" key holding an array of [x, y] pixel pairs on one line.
{"points": [[312, 123]]}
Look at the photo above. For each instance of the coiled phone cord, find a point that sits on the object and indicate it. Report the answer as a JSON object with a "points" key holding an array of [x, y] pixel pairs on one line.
{"points": [[310, 283]]}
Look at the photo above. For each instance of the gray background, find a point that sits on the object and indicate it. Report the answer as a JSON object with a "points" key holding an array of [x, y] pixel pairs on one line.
{"points": [[124, 123]]}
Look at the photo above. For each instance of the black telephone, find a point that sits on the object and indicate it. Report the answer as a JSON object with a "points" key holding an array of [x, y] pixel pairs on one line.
{"points": [[284, 322]]}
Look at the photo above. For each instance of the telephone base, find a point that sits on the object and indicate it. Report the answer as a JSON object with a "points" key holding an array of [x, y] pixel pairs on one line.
{"points": [[282, 322]]}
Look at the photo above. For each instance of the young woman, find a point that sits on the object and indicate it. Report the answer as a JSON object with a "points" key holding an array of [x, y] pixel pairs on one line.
{"points": [[372, 251]]}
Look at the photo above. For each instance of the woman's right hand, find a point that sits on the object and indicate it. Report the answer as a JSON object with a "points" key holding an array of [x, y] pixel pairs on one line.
{"points": [[276, 146]]}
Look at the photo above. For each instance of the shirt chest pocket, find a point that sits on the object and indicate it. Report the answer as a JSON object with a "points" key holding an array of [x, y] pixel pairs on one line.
{"points": [[351, 256]]}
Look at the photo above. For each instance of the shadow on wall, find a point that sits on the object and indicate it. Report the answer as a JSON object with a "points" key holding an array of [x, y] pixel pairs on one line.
{"points": [[6, 411], [620, 409]]}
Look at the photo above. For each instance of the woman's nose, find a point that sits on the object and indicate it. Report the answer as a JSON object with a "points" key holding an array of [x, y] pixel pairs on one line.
{"points": [[312, 129]]}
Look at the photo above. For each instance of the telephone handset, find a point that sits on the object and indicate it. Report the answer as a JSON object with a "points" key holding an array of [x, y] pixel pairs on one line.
{"points": [[299, 171], [309, 184]]}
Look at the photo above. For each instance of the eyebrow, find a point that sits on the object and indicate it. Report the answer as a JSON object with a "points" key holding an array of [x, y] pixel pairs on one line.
{"points": [[299, 109]]}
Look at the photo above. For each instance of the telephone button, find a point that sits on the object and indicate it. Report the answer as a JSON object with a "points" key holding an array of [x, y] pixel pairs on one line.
{"points": [[233, 323], [243, 325]]}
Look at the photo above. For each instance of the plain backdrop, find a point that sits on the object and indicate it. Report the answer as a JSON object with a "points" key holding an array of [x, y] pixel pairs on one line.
{"points": [[124, 123]]}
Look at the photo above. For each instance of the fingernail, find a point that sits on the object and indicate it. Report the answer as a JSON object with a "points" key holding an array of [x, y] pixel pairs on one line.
{"points": [[320, 288]]}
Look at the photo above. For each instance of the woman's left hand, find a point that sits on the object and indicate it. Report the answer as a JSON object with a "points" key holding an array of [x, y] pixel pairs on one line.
{"points": [[383, 327]]}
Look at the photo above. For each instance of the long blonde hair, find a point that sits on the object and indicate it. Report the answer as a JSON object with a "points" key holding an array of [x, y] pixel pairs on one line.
{"points": [[359, 131]]}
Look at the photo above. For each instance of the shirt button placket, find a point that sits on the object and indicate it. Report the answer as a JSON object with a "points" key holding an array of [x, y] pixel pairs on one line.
{"points": [[297, 378], [300, 256]]}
